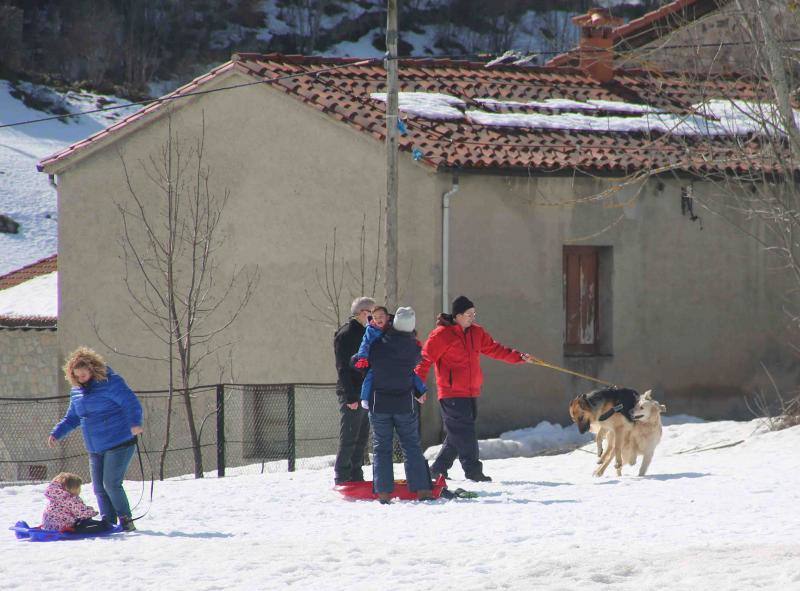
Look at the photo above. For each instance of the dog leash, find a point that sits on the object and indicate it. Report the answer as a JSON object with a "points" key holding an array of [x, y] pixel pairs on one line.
{"points": [[541, 362], [152, 479]]}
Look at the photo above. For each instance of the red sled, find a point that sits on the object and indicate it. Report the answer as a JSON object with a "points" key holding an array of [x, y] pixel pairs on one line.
{"points": [[362, 491]]}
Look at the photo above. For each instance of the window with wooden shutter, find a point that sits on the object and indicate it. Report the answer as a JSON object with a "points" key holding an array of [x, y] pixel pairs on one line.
{"points": [[582, 300]]}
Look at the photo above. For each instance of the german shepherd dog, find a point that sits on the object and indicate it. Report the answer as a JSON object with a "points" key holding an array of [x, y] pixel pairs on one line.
{"points": [[608, 414]]}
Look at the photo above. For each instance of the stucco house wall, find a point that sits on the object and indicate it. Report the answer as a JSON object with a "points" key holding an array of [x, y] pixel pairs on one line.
{"points": [[294, 176], [694, 306], [693, 311]]}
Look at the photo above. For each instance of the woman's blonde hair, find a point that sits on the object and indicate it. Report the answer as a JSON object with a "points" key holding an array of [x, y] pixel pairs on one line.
{"points": [[71, 482], [84, 357]]}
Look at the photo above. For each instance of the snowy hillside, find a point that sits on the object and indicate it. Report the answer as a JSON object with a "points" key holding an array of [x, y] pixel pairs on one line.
{"points": [[718, 511], [26, 195]]}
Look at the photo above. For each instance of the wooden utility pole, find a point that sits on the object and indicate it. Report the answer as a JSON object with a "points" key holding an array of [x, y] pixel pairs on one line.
{"points": [[390, 276]]}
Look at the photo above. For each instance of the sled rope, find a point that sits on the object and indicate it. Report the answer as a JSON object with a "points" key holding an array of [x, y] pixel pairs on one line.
{"points": [[541, 362]]}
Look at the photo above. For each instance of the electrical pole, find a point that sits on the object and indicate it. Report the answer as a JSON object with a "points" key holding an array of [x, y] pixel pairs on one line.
{"points": [[390, 276]]}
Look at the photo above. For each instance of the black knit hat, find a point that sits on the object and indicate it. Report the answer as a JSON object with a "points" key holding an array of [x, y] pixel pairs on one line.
{"points": [[460, 305]]}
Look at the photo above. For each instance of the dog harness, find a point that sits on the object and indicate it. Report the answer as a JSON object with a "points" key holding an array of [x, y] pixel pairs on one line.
{"points": [[619, 407]]}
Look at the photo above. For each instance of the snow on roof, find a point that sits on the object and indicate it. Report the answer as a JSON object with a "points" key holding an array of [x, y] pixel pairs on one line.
{"points": [[711, 118], [571, 105], [37, 297], [430, 105]]}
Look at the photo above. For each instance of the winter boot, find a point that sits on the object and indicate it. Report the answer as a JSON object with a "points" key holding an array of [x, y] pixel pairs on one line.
{"points": [[126, 523], [425, 495], [385, 498], [479, 477]]}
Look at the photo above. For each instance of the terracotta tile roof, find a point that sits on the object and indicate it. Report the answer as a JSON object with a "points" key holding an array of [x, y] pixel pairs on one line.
{"points": [[649, 27], [345, 95], [41, 267], [28, 323]]}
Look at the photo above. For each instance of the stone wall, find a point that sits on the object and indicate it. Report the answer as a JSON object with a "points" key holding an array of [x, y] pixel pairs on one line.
{"points": [[29, 368], [28, 363]]}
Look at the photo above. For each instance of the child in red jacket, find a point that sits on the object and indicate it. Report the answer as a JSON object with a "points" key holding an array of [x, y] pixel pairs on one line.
{"points": [[65, 510]]}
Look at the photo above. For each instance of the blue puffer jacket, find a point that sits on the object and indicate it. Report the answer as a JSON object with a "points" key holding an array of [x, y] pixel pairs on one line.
{"points": [[105, 410]]}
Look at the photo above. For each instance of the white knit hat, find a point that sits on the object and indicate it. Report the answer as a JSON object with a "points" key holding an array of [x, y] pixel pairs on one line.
{"points": [[404, 320]]}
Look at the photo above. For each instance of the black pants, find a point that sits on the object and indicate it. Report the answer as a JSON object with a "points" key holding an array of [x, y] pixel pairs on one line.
{"points": [[353, 437], [461, 441], [91, 526]]}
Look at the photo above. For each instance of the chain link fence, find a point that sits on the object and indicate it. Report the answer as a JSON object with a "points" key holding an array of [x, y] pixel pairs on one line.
{"points": [[241, 428]]}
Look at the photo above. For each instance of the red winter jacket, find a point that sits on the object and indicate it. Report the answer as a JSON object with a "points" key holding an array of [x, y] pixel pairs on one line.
{"points": [[63, 509], [456, 356]]}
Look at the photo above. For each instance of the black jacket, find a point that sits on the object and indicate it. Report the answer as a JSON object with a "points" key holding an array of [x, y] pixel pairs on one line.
{"points": [[393, 358], [345, 344]]}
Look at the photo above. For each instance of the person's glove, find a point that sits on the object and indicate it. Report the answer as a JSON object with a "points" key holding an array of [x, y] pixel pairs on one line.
{"points": [[362, 363], [365, 404]]}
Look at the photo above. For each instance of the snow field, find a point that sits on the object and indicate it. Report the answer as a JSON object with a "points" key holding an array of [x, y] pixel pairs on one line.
{"points": [[704, 518]]}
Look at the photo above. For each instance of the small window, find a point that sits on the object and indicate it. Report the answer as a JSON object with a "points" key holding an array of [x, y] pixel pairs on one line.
{"points": [[587, 300]]}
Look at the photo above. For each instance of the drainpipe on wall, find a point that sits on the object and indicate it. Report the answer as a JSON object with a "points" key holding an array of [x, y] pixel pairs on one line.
{"points": [[52, 179], [445, 242]]}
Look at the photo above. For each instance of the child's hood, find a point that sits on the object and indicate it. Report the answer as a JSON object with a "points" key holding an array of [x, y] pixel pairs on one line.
{"points": [[56, 492]]}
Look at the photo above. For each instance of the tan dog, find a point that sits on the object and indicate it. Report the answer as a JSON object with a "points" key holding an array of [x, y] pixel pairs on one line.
{"points": [[646, 433], [606, 412]]}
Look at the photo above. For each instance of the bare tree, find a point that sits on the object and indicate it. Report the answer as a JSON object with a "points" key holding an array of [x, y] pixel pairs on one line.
{"points": [[338, 282], [171, 237], [745, 148]]}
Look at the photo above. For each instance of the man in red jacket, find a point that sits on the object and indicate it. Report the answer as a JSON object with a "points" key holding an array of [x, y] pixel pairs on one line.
{"points": [[454, 347]]}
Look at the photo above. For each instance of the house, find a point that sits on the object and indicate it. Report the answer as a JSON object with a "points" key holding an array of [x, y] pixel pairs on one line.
{"points": [[29, 364], [529, 174], [28, 324]]}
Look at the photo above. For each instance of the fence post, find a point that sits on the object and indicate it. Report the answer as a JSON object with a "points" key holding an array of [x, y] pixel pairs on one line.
{"points": [[220, 430], [291, 432]]}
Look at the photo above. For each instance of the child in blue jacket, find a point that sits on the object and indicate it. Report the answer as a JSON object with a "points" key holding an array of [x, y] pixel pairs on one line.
{"points": [[379, 323]]}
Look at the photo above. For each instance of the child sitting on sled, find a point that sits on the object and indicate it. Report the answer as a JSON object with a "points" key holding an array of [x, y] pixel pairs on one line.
{"points": [[379, 323], [66, 511]]}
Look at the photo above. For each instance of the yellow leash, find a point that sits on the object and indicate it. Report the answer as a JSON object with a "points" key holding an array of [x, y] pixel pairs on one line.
{"points": [[533, 360]]}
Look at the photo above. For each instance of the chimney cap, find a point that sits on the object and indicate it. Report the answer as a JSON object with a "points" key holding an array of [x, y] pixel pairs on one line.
{"points": [[596, 18]]}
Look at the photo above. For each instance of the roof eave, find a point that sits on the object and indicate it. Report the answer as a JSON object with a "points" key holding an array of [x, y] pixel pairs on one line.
{"points": [[58, 162]]}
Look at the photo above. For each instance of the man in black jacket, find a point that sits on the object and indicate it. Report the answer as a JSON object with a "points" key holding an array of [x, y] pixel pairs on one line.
{"points": [[354, 421]]}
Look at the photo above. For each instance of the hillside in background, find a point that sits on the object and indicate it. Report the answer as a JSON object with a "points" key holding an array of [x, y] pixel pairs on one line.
{"points": [[124, 46]]}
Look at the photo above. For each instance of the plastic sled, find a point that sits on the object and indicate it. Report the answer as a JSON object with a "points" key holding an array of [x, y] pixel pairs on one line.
{"points": [[362, 491], [36, 534]]}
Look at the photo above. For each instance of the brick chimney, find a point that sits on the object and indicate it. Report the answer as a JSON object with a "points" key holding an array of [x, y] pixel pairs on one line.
{"points": [[596, 53]]}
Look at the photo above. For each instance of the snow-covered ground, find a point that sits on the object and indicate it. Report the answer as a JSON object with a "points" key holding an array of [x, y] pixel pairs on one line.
{"points": [[26, 195], [719, 510]]}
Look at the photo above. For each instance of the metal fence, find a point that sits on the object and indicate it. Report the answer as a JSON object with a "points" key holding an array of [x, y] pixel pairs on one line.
{"points": [[241, 428]]}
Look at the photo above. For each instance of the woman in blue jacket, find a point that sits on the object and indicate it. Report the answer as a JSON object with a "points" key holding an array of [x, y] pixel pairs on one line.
{"points": [[110, 416]]}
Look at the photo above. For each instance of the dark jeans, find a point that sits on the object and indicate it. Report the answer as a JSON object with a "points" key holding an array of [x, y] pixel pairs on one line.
{"points": [[108, 469], [407, 426], [461, 441], [353, 436], [91, 526]]}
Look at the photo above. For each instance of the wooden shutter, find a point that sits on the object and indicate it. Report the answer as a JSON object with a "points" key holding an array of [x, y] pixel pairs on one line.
{"points": [[581, 300]]}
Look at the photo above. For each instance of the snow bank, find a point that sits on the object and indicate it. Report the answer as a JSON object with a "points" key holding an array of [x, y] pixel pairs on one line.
{"points": [[719, 519]]}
